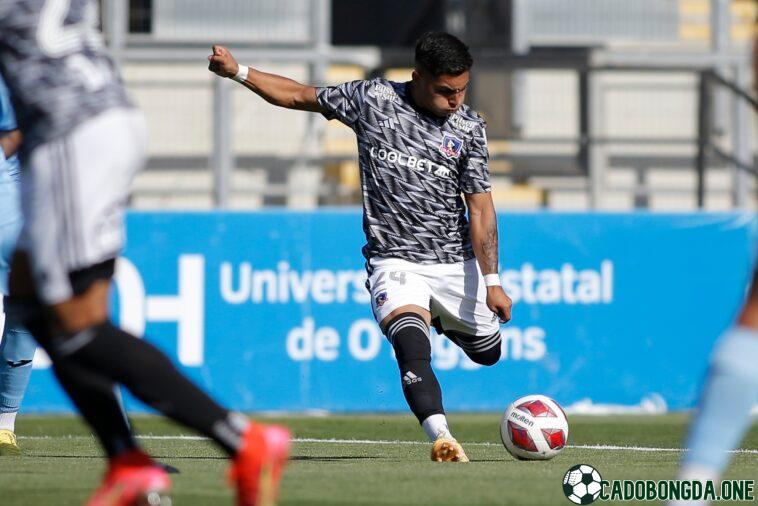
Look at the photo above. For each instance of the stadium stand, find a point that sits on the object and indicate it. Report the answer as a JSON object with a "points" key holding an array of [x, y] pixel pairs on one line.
{"points": [[644, 123]]}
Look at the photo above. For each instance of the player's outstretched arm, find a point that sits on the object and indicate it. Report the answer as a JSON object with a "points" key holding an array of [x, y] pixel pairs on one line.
{"points": [[272, 88], [483, 226]]}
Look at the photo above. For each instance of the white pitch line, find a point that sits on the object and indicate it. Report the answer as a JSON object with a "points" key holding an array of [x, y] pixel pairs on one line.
{"points": [[647, 448], [387, 442]]}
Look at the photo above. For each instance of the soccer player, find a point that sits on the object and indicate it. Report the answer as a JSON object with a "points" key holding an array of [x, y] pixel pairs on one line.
{"points": [[730, 390], [83, 141], [17, 346], [420, 148]]}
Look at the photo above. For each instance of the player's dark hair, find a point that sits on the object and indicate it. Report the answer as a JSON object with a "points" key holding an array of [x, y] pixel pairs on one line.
{"points": [[440, 53]]}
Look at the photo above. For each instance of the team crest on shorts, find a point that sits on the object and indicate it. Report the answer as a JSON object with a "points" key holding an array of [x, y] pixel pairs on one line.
{"points": [[451, 146], [381, 298]]}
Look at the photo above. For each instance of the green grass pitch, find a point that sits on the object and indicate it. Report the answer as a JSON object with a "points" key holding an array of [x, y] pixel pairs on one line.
{"points": [[62, 463]]}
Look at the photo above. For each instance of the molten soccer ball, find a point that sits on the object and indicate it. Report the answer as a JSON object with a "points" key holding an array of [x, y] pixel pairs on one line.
{"points": [[534, 428]]}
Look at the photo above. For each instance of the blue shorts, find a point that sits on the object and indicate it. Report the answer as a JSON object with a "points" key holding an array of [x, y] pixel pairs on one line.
{"points": [[10, 226]]}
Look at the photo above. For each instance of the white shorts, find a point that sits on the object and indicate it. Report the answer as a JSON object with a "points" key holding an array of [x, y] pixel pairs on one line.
{"points": [[455, 293], [74, 192]]}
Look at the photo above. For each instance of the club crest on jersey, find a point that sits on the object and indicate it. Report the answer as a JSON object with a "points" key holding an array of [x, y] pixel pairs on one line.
{"points": [[381, 298], [451, 146]]}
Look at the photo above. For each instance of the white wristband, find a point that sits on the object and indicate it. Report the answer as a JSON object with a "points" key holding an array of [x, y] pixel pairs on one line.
{"points": [[492, 280], [242, 72]]}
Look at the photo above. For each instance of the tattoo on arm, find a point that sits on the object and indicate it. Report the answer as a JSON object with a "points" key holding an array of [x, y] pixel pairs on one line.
{"points": [[490, 249]]}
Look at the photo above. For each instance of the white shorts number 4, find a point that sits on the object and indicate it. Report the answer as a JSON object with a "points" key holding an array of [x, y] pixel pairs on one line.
{"points": [[453, 292]]}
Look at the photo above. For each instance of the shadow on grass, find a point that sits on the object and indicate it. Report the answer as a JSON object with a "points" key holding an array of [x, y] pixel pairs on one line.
{"points": [[306, 458], [333, 458]]}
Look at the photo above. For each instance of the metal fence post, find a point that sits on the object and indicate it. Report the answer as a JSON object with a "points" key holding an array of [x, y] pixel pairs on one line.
{"points": [[223, 157], [321, 37], [720, 42], [520, 46], [597, 162], [741, 144], [703, 134], [583, 155], [115, 21]]}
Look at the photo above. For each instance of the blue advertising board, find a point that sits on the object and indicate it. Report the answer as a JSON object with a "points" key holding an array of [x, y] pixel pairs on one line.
{"points": [[268, 310]]}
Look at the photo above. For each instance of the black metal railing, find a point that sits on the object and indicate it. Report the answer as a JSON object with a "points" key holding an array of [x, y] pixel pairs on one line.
{"points": [[708, 80]]}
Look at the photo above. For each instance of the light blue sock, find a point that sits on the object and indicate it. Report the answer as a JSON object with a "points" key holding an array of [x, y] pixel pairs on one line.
{"points": [[16, 355], [730, 392]]}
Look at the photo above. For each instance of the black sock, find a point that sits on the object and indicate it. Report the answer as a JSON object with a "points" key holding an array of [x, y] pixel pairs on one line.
{"points": [[483, 350], [152, 378], [94, 396], [409, 336]]}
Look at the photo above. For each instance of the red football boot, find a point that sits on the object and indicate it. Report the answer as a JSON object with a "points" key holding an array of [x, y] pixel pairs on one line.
{"points": [[257, 468], [133, 479]]}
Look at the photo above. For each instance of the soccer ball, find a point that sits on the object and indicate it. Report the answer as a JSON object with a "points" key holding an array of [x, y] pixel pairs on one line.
{"points": [[534, 428], [581, 484]]}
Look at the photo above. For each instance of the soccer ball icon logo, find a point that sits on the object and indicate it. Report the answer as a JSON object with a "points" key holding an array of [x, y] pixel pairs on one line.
{"points": [[581, 484]]}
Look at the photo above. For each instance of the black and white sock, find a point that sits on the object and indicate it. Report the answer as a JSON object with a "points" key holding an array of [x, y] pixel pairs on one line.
{"points": [[409, 336]]}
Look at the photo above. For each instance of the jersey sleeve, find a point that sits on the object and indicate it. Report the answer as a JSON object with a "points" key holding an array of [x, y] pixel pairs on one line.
{"points": [[475, 175], [342, 102], [7, 116]]}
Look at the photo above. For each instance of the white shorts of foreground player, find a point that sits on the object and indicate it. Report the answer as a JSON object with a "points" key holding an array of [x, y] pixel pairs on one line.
{"points": [[74, 194]]}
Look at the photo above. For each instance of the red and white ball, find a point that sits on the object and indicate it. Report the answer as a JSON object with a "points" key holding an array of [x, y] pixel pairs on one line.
{"points": [[534, 427]]}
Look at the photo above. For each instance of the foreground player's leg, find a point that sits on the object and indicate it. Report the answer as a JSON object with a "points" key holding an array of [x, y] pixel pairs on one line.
{"points": [[131, 473], [102, 350], [16, 354], [731, 388], [409, 335], [259, 452]]}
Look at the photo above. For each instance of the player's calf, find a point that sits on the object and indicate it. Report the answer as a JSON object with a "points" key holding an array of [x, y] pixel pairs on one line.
{"points": [[731, 386], [483, 350], [486, 358], [409, 337], [17, 349]]}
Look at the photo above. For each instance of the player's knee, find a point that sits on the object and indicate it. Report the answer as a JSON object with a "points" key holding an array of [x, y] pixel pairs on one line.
{"points": [[409, 336], [22, 312], [17, 346], [87, 308]]}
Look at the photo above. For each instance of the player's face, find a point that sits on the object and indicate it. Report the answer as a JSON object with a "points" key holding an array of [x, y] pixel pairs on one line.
{"points": [[441, 95]]}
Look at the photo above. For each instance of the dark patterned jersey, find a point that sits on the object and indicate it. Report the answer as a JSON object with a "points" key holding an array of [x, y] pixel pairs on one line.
{"points": [[413, 167], [53, 60]]}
